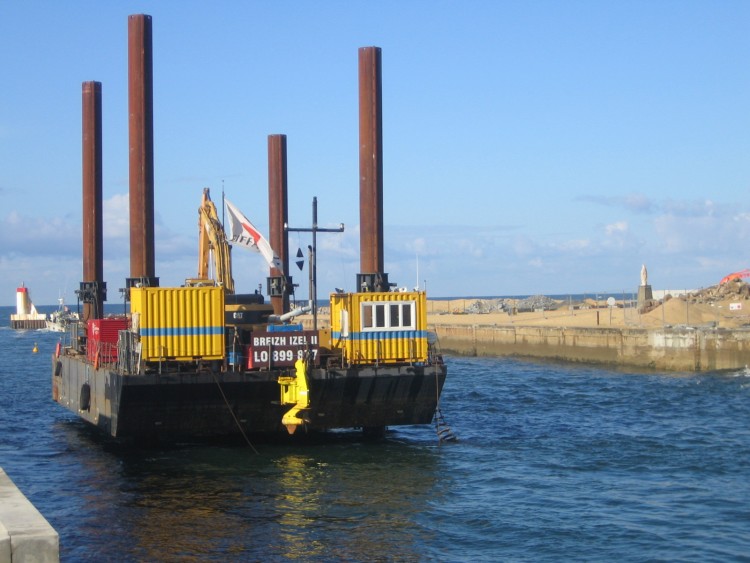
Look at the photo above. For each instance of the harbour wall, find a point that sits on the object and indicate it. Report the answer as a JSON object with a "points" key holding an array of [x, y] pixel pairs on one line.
{"points": [[25, 535], [28, 324], [670, 349]]}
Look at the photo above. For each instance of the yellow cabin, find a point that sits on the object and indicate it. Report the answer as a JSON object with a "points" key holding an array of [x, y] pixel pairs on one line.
{"points": [[179, 323], [380, 327]]}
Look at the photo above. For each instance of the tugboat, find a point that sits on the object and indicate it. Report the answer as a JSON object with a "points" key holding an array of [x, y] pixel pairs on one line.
{"points": [[201, 360]]}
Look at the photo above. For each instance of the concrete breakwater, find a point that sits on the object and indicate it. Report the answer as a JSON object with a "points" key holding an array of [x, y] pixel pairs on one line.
{"points": [[25, 535], [672, 349]]}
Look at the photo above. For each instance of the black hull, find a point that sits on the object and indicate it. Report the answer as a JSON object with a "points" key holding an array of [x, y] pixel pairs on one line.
{"points": [[197, 403]]}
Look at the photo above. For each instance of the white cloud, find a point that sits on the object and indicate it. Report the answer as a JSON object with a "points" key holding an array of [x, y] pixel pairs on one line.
{"points": [[22, 235], [523, 245], [344, 244], [536, 263], [616, 228], [634, 202], [116, 216], [704, 240], [701, 228], [419, 246], [573, 245]]}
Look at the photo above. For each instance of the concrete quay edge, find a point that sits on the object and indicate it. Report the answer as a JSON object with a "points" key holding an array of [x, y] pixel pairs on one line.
{"points": [[25, 535]]}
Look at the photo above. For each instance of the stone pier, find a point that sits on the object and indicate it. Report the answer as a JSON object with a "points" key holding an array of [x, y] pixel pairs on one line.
{"points": [[672, 349], [25, 535]]}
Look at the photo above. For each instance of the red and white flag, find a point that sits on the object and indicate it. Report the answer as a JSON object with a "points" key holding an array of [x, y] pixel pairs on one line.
{"points": [[240, 231]]}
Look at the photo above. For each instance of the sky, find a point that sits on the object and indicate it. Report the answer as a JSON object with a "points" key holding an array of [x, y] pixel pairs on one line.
{"points": [[529, 147]]}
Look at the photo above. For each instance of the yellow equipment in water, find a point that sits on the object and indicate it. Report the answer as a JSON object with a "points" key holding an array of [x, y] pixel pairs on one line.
{"points": [[294, 391]]}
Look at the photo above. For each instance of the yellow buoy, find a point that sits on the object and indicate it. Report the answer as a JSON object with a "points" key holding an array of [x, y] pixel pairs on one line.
{"points": [[35, 350]]}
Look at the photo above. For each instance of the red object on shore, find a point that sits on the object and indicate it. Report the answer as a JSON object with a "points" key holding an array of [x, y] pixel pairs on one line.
{"points": [[735, 276]]}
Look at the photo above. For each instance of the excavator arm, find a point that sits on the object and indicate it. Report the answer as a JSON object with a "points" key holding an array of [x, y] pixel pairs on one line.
{"points": [[735, 276], [212, 241]]}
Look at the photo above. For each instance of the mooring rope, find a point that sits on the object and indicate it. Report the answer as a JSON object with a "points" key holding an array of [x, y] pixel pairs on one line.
{"points": [[237, 422]]}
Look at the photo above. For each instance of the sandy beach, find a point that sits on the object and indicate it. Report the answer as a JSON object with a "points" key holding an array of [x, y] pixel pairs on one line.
{"points": [[675, 312]]}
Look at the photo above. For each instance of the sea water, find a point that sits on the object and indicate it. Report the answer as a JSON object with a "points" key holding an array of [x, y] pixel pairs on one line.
{"points": [[554, 462]]}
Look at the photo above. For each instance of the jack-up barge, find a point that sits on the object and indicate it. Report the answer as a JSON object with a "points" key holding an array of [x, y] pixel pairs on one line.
{"points": [[200, 360]]}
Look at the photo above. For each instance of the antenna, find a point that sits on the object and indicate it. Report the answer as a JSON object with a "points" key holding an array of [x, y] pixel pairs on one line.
{"points": [[313, 259], [417, 270]]}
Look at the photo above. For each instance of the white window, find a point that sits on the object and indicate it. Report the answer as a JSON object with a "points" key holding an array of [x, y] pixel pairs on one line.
{"points": [[387, 315]]}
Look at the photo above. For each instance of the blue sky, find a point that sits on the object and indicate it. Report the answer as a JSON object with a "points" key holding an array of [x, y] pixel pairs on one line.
{"points": [[529, 147]]}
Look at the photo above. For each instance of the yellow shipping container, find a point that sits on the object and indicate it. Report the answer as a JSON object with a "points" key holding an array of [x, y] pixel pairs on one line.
{"points": [[179, 323], [380, 327]]}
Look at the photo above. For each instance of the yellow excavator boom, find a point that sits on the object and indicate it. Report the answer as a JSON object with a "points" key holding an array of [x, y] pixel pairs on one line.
{"points": [[212, 240]]}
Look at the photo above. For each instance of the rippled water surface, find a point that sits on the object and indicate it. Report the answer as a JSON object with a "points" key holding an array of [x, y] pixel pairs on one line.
{"points": [[554, 462]]}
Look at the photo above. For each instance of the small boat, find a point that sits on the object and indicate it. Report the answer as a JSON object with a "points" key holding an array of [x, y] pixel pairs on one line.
{"points": [[60, 319]]}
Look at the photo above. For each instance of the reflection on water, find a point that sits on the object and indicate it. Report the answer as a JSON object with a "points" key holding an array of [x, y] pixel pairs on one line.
{"points": [[298, 503], [354, 506], [341, 499]]}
